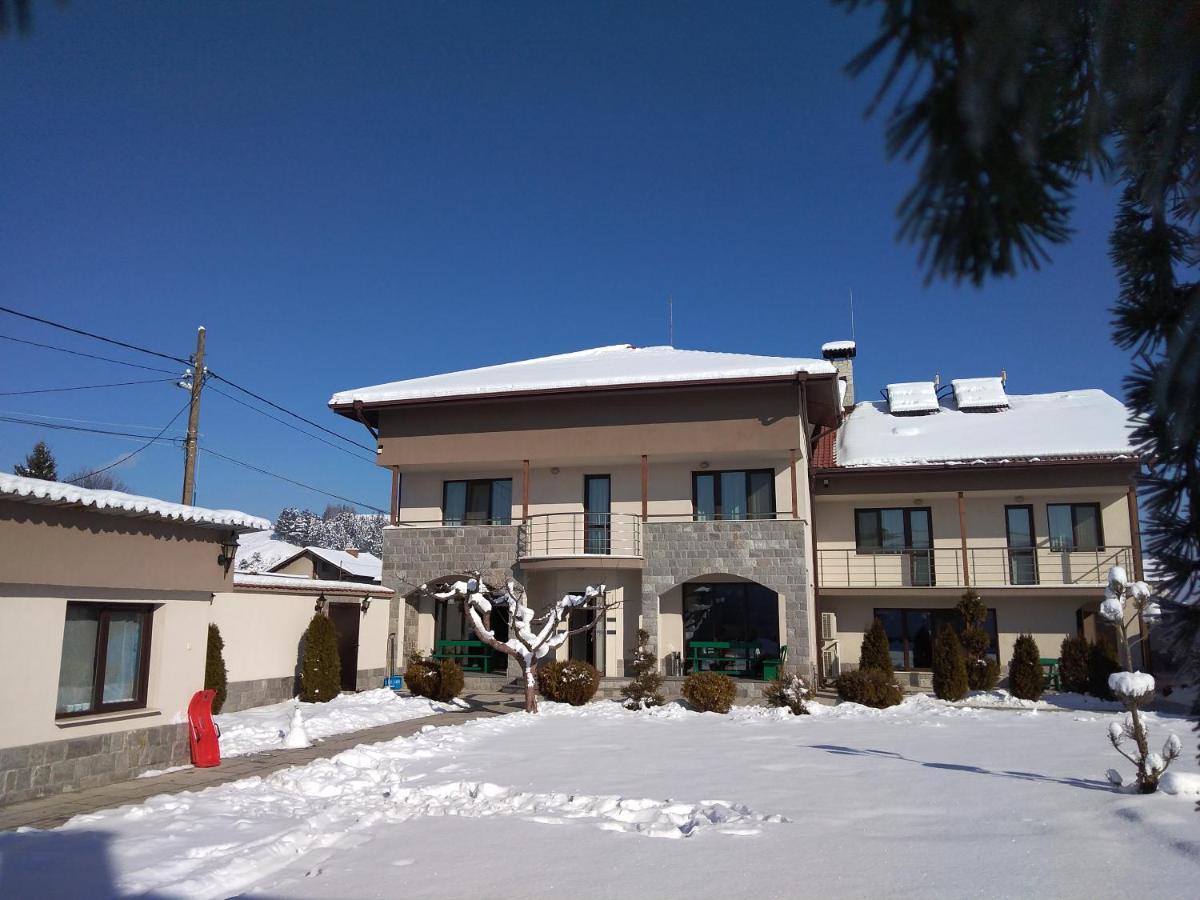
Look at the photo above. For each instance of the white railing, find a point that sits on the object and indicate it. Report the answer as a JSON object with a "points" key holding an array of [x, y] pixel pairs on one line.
{"points": [[580, 534]]}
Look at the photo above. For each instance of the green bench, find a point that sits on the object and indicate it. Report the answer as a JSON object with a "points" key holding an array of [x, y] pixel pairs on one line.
{"points": [[472, 656], [1050, 670], [772, 667], [735, 658]]}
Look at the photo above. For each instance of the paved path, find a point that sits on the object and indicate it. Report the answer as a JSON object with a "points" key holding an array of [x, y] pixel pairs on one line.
{"points": [[50, 812]]}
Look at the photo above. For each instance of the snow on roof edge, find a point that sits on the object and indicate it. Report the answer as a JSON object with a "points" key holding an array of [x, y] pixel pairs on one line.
{"points": [[301, 585]]}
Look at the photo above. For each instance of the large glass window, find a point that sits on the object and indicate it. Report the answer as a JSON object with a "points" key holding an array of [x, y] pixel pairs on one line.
{"points": [[904, 531], [481, 501], [911, 632], [734, 494], [105, 658], [1022, 558], [1074, 526], [730, 627]]}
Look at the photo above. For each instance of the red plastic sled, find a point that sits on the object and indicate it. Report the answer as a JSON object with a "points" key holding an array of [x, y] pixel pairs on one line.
{"points": [[203, 731]]}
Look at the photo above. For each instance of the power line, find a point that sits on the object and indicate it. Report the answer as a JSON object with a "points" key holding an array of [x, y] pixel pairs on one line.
{"points": [[254, 468], [108, 359], [130, 456], [53, 426], [85, 387], [98, 337], [287, 424]]}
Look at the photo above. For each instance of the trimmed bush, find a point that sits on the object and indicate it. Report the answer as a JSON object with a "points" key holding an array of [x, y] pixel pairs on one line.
{"points": [[982, 672], [1026, 679], [321, 670], [216, 677], [1102, 662], [790, 691], [949, 668], [573, 681], [709, 691], [870, 687], [874, 653], [1073, 665], [437, 679], [645, 689]]}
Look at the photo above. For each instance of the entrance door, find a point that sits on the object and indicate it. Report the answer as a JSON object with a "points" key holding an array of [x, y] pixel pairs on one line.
{"points": [[597, 514], [582, 646], [1022, 559], [345, 618]]}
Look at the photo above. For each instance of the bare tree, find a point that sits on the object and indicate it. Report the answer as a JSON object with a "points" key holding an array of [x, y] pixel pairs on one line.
{"points": [[98, 481], [533, 636]]}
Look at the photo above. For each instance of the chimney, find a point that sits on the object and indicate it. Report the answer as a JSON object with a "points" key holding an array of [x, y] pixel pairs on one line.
{"points": [[841, 354], [353, 551]]}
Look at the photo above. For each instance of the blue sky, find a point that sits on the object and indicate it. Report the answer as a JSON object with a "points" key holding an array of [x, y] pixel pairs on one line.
{"points": [[352, 193]]}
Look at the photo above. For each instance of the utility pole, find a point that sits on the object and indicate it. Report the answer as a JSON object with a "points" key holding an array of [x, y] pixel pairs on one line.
{"points": [[189, 460]]}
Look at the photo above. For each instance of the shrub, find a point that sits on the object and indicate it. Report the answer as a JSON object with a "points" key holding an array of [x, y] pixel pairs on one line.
{"points": [[949, 668], [709, 691], [437, 679], [789, 691], [216, 677], [1102, 662], [321, 670], [644, 690], [1025, 676], [573, 681], [1073, 665], [982, 672], [874, 654], [870, 687]]}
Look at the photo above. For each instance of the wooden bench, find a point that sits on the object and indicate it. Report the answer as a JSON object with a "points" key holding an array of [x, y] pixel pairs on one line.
{"points": [[1050, 670], [728, 657], [473, 656]]}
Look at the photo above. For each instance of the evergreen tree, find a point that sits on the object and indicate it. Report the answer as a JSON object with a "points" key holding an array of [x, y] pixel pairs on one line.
{"points": [[1073, 665], [321, 671], [949, 667], [982, 671], [874, 653], [644, 690], [1025, 676], [215, 674], [1102, 662], [38, 464]]}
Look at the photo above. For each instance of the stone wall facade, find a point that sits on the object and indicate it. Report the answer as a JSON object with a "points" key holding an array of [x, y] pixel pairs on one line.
{"points": [[768, 551], [260, 692], [53, 767]]}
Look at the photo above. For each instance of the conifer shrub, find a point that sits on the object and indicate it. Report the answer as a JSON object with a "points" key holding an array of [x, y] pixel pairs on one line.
{"points": [[1026, 678], [709, 691], [870, 687], [983, 672], [1102, 662], [874, 653], [437, 679], [1073, 665], [644, 690], [790, 691], [949, 667], [216, 677], [573, 681], [321, 670]]}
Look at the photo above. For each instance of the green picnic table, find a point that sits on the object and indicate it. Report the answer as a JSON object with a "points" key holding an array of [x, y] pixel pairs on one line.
{"points": [[1050, 670], [730, 657], [473, 656]]}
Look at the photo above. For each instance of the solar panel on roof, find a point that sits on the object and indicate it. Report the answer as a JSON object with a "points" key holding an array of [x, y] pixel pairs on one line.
{"points": [[980, 393], [912, 397]]}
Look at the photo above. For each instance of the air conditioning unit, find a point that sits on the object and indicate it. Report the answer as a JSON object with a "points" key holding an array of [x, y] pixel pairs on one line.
{"points": [[829, 661], [828, 626]]}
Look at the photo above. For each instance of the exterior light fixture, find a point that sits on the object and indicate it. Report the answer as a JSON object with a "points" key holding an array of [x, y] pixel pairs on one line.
{"points": [[366, 604], [554, 470], [704, 465], [320, 603], [229, 547]]}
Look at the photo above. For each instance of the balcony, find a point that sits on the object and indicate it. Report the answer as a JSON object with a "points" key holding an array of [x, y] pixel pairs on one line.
{"points": [[941, 567], [578, 535]]}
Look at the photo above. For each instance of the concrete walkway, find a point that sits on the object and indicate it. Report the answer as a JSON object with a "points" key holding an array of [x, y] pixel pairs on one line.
{"points": [[50, 812]]}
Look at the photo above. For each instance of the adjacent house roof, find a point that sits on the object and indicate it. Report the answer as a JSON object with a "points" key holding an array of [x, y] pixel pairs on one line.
{"points": [[621, 364], [298, 584], [261, 551], [54, 493], [1085, 424], [365, 565]]}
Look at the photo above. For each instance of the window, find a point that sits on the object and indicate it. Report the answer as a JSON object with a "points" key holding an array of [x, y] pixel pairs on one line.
{"points": [[1022, 557], [741, 616], [904, 531], [736, 494], [105, 658], [911, 632], [1074, 526], [483, 501]]}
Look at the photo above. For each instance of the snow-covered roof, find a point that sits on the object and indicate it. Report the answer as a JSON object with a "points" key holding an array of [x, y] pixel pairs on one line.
{"points": [[912, 397], [365, 565], [55, 493], [621, 364], [298, 584], [261, 551], [979, 393], [1085, 423]]}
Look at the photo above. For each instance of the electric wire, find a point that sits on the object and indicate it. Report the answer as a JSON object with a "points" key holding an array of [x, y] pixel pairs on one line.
{"points": [[310, 487], [108, 359], [89, 334], [129, 456], [84, 387]]}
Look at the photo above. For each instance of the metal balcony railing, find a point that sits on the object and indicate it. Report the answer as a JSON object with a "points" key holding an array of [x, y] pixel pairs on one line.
{"points": [[580, 534], [986, 567]]}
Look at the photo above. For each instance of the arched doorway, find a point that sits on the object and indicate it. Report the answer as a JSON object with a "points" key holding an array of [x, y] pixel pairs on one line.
{"points": [[729, 626]]}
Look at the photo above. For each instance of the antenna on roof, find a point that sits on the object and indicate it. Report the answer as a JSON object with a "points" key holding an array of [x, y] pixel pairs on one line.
{"points": [[1003, 378], [851, 313], [670, 321]]}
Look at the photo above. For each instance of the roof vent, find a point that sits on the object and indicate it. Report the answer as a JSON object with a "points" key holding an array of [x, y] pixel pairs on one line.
{"points": [[912, 397], [980, 394]]}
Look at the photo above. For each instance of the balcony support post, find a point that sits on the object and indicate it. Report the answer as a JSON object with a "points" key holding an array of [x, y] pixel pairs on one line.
{"points": [[795, 489], [524, 490], [645, 487], [394, 518], [962, 533]]}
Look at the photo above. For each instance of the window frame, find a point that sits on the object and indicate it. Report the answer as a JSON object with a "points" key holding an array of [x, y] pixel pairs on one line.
{"points": [[491, 512], [1030, 551], [100, 660], [878, 511], [718, 505], [934, 626], [1100, 545]]}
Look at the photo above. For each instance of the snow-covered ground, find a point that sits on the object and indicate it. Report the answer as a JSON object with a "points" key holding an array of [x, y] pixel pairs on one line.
{"points": [[264, 727], [924, 800]]}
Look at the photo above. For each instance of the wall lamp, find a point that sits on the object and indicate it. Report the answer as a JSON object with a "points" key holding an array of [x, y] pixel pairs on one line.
{"points": [[229, 547], [320, 603], [366, 604]]}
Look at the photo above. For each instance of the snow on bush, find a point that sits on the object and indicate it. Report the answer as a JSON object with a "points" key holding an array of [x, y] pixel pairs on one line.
{"points": [[789, 692], [1131, 685]]}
